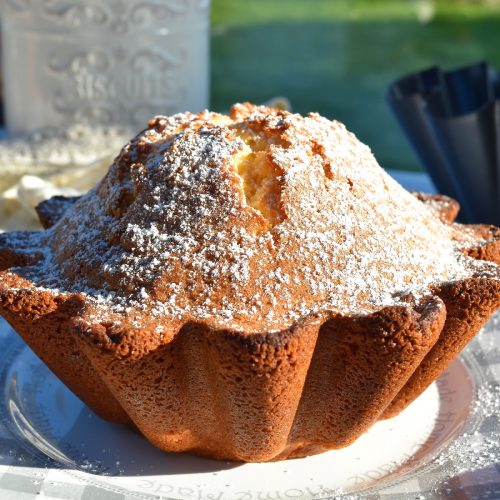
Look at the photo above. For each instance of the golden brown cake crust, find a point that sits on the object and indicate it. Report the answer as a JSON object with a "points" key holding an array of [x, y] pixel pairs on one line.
{"points": [[469, 305], [51, 210], [446, 208], [249, 287]]}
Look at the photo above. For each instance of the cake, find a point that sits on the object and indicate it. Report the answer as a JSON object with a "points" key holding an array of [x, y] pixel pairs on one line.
{"points": [[249, 287]]}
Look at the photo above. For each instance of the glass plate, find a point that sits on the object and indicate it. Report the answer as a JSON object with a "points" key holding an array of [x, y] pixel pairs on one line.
{"points": [[61, 432]]}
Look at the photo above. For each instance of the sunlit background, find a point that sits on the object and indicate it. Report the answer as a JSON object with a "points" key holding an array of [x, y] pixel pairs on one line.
{"points": [[337, 57]]}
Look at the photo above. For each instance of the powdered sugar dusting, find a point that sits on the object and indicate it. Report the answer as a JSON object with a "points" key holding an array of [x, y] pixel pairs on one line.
{"points": [[168, 231]]}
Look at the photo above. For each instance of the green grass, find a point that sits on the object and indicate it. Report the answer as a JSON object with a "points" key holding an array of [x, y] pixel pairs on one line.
{"points": [[337, 57]]}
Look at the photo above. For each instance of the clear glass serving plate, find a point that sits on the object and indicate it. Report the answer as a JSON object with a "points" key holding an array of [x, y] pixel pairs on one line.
{"points": [[447, 440]]}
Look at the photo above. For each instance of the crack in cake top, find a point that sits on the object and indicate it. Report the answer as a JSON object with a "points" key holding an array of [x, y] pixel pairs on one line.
{"points": [[252, 220]]}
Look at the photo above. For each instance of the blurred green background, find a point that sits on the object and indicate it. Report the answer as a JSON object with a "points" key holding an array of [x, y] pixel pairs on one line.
{"points": [[337, 57]]}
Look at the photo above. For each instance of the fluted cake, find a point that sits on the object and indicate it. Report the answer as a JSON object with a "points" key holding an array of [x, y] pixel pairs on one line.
{"points": [[250, 286]]}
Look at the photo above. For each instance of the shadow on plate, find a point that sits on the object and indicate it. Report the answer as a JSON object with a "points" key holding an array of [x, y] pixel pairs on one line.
{"points": [[123, 451]]}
